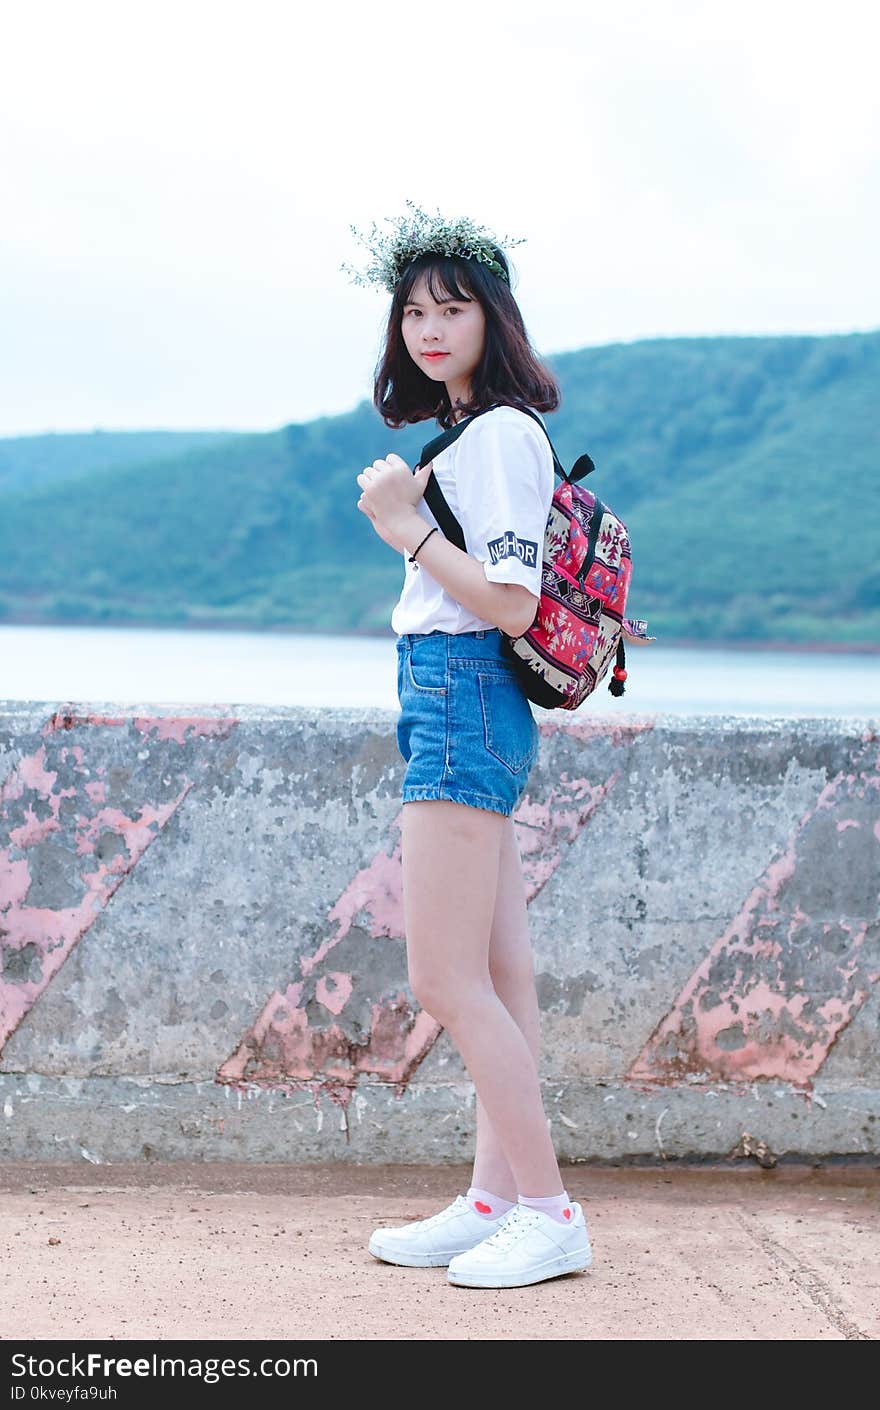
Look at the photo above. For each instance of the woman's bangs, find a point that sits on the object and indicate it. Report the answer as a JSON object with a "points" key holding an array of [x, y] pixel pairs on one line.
{"points": [[441, 277]]}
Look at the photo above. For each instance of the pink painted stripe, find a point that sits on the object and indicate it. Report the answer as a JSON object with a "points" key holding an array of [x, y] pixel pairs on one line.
{"points": [[36, 940], [290, 1046], [744, 1014]]}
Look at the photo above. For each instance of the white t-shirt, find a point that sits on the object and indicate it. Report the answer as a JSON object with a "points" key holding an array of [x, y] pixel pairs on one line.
{"points": [[498, 479]]}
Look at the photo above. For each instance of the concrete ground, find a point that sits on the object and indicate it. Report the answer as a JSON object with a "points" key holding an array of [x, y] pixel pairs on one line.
{"points": [[257, 1252]]}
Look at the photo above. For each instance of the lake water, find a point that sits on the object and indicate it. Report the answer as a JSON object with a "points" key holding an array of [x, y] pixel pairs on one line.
{"points": [[140, 665]]}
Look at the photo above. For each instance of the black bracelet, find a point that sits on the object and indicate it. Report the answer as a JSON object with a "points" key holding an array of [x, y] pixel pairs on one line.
{"points": [[412, 557]]}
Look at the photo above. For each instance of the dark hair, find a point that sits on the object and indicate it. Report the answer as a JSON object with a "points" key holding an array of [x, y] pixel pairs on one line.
{"points": [[509, 371]]}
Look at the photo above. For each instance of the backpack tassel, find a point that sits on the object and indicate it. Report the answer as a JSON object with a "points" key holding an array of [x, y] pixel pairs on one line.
{"points": [[615, 685]]}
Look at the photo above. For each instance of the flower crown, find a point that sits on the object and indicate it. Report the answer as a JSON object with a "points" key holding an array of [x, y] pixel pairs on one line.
{"points": [[420, 234]]}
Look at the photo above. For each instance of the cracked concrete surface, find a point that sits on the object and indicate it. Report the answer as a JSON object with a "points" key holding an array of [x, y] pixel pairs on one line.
{"points": [[202, 948]]}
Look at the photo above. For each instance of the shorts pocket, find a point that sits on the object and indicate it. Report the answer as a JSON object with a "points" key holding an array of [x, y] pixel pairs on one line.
{"points": [[426, 668], [508, 724]]}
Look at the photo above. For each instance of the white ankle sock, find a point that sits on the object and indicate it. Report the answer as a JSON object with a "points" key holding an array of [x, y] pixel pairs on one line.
{"points": [[557, 1206], [487, 1205]]}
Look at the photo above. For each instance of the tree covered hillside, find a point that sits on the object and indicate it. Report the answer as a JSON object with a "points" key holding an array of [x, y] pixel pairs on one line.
{"points": [[744, 468]]}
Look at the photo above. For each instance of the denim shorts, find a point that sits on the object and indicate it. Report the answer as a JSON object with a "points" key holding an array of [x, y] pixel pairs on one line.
{"points": [[466, 730]]}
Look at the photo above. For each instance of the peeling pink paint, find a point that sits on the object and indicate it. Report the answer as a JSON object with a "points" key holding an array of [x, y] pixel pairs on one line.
{"points": [[287, 1048], [334, 990], [609, 728], [376, 891], [176, 728], [547, 828], [32, 830], [36, 940], [137, 832], [740, 1015], [283, 1048], [179, 729]]}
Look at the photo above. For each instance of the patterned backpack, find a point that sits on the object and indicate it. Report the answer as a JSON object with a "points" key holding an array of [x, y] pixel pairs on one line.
{"points": [[587, 566]]}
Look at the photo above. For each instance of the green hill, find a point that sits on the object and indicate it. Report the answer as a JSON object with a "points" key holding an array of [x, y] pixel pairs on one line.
{"points": [[29, 461], [744, 468]]}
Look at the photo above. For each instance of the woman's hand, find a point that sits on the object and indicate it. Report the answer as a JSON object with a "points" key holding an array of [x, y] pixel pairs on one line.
{"points": [[390, 493], [381, 530]]}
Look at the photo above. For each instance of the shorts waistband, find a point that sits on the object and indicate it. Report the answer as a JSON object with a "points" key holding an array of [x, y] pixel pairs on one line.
{"points": [[486, 641]]}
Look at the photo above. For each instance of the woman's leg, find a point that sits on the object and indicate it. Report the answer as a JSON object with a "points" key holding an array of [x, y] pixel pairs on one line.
{"points": [[512, 971], [451, 856]]}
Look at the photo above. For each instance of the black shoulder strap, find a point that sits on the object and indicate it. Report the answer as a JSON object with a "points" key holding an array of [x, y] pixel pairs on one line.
{"points": [[582, 466], [434, 496]]}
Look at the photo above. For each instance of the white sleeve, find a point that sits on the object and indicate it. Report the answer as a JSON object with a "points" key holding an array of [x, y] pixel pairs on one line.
{"points": [[504, 481]]}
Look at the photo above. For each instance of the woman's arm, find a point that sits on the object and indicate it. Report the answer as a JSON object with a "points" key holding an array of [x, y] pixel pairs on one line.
{"points": [[390, 494], [508, 605]]}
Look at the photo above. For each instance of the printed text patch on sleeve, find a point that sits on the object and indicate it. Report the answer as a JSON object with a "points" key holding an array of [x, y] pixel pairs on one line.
{"points": [[509, 546]]}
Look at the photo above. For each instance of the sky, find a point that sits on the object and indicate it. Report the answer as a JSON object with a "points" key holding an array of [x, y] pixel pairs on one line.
{"points": [[179, 182]]}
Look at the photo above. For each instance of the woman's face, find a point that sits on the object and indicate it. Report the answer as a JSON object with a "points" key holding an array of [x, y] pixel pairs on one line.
{"points": [[456, 328]]}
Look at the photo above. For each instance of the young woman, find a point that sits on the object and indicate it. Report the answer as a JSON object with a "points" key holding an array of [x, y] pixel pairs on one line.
{"points": [[455, 345]]}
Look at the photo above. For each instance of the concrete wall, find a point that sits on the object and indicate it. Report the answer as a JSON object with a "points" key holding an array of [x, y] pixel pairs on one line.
{"points": [[202, 947]]}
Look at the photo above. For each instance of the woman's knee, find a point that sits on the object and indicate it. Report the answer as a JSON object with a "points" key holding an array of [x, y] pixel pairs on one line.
{"points": [[430, 992], [446, 998]]}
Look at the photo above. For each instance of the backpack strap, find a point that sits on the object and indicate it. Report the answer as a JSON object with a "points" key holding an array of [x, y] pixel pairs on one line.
{"points": [[434, 496], [582, 466]]}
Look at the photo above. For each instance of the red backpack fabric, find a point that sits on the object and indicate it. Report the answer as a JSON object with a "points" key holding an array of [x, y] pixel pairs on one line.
{"points": [[587, 566]]}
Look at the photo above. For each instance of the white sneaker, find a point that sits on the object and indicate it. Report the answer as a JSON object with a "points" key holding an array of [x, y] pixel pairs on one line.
{"points": [[527, 1247], [430, 1243]]}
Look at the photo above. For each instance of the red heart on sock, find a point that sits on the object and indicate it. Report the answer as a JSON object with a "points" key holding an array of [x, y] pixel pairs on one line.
{"points": [[567, 1213], [483, 1208]]}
